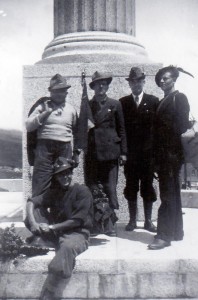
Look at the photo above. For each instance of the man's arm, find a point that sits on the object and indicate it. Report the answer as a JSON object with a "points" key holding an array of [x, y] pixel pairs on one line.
{"points": [[122, 133], [34, 226], [66, 225], [37, 116]]}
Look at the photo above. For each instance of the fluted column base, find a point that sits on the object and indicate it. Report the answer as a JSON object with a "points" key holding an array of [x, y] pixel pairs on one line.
{"points": [[93, 47]]}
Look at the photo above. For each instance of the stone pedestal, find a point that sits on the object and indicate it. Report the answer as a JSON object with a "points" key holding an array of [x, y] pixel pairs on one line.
{"points": [[36, 82]]}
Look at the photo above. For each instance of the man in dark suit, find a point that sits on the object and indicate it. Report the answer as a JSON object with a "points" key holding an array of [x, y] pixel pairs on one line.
{"points": [[139, 109], [106, 140]]}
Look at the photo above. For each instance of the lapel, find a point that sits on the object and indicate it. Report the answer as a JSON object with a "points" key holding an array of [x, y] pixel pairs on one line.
{"points": [[132, 103], [143, 103], [100, 113]]}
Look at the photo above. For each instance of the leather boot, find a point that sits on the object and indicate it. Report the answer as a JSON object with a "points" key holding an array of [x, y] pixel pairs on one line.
{"points": [[132, 213], [148, 225]]}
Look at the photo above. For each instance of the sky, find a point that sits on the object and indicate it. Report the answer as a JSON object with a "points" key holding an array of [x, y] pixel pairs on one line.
{"points": [[168, 30]]}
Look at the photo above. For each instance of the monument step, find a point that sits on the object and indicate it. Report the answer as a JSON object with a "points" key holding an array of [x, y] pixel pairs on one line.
{"points": [[117, 267]]}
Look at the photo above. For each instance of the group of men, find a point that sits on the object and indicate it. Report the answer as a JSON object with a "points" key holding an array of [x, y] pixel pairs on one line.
{"points": [[122, 134]]}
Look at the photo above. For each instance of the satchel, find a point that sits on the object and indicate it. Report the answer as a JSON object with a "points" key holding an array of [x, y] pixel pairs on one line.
{"points": [[189, 141]]}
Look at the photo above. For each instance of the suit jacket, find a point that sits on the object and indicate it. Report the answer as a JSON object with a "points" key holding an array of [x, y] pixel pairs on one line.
{"points": [[172, 119], [139, 126], [107, 140]]}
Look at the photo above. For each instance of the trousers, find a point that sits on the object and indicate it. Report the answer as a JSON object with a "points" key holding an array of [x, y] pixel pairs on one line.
{"points": [[170, 221], [47, 151], [139, 176]]}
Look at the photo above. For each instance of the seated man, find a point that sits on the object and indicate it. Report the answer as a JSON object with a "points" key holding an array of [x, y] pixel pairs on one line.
{"points": [[62, 216]]}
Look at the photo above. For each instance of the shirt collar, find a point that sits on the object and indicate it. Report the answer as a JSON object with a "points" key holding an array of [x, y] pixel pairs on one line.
{"points": [[140, 96]]}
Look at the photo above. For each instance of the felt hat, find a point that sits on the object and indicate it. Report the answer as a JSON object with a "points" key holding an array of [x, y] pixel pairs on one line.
{"points": [[62, 164], [135, 73], [100, 76], [58, 82]]}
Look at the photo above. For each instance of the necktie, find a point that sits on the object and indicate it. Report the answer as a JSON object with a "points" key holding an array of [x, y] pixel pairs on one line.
{"points": [[137, 100]]}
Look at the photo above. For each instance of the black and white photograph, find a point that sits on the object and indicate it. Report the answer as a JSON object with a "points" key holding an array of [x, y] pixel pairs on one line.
{"points": [[98, 149]]}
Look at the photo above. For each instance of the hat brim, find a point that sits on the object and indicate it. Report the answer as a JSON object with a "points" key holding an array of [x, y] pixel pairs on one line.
{"points": [[108, 79], [136, 78], [63, 168], [59, 88]]}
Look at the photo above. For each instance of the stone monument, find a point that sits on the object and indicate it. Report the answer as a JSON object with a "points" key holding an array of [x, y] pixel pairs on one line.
{"points": [[89, 35]]}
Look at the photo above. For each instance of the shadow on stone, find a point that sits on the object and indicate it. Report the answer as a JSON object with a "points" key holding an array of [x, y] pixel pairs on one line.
{"points": [[144, 237], [94, 241]]}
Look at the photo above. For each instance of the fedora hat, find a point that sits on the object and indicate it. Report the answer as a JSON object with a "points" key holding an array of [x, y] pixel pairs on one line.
{"points": [[58, 82], [62, 164], [100, 76], [135, 73]]}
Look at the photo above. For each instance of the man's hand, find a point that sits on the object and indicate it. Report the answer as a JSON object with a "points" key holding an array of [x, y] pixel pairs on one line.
{"points": [[47, 109], [35, 228], [46, 112], [122, 160], [44, 228]]}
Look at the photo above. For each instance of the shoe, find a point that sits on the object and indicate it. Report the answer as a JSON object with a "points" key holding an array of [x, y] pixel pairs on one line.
{"points": [[158, 244], [148, 225], [130, 226]]}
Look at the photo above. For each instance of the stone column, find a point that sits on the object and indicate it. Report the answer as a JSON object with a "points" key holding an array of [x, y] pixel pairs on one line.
{"points": [[92, 31], [94, 15]]}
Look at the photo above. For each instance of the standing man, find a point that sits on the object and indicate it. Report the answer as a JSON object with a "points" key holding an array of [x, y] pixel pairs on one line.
{"points": [[106, 140], [51, 127], [62, 216], [139, 110]]}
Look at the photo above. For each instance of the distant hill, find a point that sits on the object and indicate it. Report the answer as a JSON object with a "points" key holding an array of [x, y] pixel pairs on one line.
{"points": [[10, 150]]}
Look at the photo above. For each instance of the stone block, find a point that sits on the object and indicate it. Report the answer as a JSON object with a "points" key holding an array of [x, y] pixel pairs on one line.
{"points": [[32, 265], [107, 286], [25, 286], [189, 198], [160, 285], [116, 286], [191, 285], [189, 265], [126, 285], [76, 287], [148, 266], [3, 284]]}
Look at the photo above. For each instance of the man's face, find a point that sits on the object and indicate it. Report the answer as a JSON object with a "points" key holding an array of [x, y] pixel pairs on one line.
{"points": [[64, 178], [100, 88], [58, 96], [136, 86]]}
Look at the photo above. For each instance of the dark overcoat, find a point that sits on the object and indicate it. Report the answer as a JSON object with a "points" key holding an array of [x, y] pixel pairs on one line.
{"points": [[139, 126], [107, 140], [172, 119]]}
